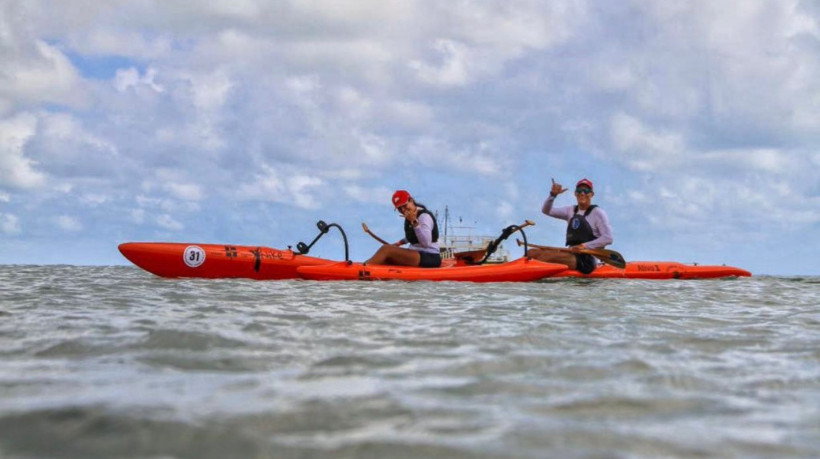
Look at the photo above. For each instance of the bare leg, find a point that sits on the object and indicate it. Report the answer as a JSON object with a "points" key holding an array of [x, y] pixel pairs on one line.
{"points": [[392, 255], [554, 256]]}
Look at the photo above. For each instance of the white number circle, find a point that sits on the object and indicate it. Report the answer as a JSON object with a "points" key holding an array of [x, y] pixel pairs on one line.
{"points": [[193, 256]]}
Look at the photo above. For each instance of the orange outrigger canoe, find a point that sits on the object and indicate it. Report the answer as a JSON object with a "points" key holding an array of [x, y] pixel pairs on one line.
{"points": [[218, 261], [215, 261], [520, 270]]}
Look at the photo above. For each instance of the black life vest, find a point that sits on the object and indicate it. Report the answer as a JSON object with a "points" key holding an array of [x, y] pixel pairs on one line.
{"points": [[578, 228], [410, 234]]}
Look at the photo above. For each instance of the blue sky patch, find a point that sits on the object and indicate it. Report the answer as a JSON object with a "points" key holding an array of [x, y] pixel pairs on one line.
{"points": [[102, 67]]}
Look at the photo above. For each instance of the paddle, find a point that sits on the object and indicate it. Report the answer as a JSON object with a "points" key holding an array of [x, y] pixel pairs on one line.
{"points": [[609, 257], [471, 256], [367, 230]]}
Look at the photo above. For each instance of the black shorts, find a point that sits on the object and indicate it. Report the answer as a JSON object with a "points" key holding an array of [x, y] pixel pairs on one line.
{"points": [[585, 263], [429, 260]]}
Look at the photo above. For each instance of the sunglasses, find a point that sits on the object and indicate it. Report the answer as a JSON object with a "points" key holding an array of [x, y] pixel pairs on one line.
{"points": [[583, 191]]}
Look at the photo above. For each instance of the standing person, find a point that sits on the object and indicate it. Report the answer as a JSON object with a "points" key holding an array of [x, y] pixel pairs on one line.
{"points": [[587, 228], [420, 231]]}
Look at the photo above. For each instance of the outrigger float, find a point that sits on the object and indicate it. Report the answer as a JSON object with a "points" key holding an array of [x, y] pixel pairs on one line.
{"points": [[218, 261]]}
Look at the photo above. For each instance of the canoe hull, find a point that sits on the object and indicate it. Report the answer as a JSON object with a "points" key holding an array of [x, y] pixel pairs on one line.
{"points": [[216, 261], [659, 270], [521, 270]]}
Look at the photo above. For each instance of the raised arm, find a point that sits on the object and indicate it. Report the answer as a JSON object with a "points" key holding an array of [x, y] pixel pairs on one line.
{"points": [[562, 212]]}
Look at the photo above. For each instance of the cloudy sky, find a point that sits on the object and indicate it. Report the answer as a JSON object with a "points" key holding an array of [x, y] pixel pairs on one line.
{"points": [[245, 121]]}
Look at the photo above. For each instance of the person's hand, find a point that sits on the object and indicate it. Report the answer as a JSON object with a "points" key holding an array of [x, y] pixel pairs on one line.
{"points": [[556, 188], [577, 248], [411, 215], [400, 243]]}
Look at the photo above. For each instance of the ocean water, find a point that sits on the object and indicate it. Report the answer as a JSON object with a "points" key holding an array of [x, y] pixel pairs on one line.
{"points": [[115, 362]]}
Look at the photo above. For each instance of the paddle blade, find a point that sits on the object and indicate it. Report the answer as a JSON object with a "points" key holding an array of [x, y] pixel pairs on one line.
{"points": [[471, 257], [609, 257], [617, 260]]}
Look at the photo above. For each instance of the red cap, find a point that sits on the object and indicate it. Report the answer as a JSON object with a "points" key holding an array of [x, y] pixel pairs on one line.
{"points": [[400, 198], [585, 182]]}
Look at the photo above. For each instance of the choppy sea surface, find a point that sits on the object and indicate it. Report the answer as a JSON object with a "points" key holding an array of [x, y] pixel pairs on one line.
{"points": [[115, 362]]}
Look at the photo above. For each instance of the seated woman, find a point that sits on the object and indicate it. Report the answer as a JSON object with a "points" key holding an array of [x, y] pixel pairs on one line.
{"points": [[587, 228], [420, 231]]}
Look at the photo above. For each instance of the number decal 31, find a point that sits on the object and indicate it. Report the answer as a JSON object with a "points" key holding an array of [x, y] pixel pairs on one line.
{"points": [[193, 256]]}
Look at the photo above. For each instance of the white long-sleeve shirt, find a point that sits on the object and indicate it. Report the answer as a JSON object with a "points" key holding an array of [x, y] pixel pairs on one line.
{"points": [[597, 219], [424, 232]]}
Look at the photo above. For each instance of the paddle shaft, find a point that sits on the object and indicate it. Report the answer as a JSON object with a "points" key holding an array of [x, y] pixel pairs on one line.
{"points": [[367, 230], [609, 257]]}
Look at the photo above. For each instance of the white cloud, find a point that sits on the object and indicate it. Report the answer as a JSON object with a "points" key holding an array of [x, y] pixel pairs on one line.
{"points": [[374, 149], [287, 188], [639, 147], [207, 93], [17, 170], [166, 204], [137, 216], [750, 63], [174, 183], [438, 153], [409, 114], [44, 75], [94, 200], [210, 91], [34, 71], [374, 195], [299, 187], [169, 223], [128, 78], [454, 68], [69, 224], [347, 174], [479, 38], [70, 138], [9, 224], [765, 160], [185, 191]]}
